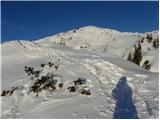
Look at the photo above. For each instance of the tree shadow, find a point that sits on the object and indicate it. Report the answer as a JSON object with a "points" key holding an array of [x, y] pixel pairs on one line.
{"points": [[125, 108]]}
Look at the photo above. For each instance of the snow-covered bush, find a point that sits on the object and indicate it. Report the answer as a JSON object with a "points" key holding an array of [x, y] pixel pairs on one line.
{"points": [[78, 86], [137, 57], [28, 70], [80, 81], [142, 40], [149, 38], [156, 43], [8, 92], [130, 57], [70, 38], [56, 66], [42, 65], [72, 88], [60, 85], [31, 71], [74, 31], [85, 91], [146, 65], [47, 82], [50, 64]]}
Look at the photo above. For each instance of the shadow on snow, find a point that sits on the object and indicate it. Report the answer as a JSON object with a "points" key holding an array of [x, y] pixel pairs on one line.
{"points": [[125, 108]]}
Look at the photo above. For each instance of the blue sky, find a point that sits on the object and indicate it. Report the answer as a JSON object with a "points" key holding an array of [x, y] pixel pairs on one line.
{"points": [[33, 20]]}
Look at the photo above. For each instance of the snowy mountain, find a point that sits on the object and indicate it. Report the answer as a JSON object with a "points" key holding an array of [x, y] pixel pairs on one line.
{"points": [[113, 87], [108, 41]]}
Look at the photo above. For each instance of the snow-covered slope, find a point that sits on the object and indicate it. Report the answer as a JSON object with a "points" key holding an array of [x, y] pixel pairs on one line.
{"points": [[108, 41], [119, 88]]}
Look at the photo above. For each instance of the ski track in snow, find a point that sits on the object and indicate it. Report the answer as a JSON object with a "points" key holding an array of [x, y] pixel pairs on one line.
{"points": [[50, 103], [107, 76]]}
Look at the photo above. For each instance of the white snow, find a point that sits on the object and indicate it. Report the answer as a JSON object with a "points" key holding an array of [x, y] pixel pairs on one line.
{"points": [[101, 60]]}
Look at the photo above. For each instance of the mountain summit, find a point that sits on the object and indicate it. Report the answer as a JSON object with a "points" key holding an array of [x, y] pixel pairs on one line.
{"points": [[106, 41]]}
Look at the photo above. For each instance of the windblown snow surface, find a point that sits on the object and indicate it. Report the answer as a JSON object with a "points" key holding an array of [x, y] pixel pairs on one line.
{"points": [[119, 88]]}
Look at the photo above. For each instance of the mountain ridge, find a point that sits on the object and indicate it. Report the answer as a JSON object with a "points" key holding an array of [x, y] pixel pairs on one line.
{"points": [[89, 26], [102, 40]]}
